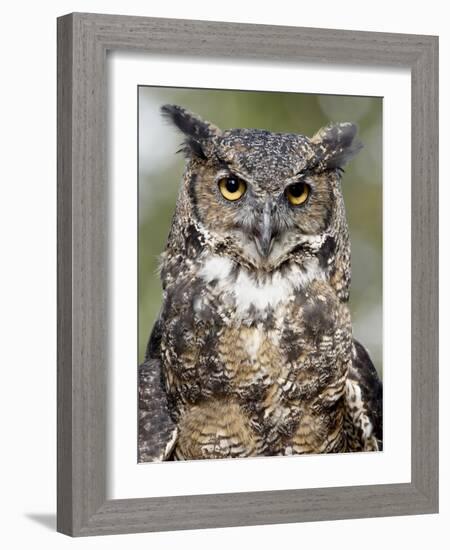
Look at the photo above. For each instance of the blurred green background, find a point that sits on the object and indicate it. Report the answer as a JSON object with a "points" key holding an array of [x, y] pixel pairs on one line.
{"points": [[160, 172]]}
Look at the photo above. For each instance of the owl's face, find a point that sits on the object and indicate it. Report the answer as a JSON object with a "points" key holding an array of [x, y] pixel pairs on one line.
{"points": [[263, 195]]}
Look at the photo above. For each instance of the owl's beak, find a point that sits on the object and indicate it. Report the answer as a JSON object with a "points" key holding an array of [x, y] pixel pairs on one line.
{"points": [[265, 232]]}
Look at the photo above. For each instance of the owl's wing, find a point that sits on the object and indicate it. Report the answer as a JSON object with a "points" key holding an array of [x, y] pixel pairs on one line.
{"points": [[365, 398], [157, 431]]}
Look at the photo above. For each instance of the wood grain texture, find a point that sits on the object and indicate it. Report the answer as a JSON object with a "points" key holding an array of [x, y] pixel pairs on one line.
{"points": [[424, 276], [64, 251], [83, 41]]}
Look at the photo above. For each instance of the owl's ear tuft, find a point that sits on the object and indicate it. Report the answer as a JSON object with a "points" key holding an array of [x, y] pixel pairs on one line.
{"points": [[198, 133], [336, 144]]}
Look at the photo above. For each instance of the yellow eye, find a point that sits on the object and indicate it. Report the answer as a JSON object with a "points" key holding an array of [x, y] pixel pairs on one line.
{"points": [[297, 193], [232, 188]]}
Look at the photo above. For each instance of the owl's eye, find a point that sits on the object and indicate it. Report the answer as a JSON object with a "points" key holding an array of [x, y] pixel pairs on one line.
{"points": [[232, 188], [297, 193]]}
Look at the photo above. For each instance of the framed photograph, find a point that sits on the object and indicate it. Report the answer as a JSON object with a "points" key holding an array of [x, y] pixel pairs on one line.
{"points": [[247, 274]]}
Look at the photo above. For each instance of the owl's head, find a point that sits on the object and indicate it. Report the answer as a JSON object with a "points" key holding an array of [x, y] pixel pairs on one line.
{"points": [[265, 197]]}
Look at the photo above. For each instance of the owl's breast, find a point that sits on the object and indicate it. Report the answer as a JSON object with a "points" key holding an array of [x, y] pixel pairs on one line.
{"points": [[278, 345]]}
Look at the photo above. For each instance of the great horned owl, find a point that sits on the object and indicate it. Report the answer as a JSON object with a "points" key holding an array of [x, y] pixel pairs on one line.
{"points": [[252, 353]]}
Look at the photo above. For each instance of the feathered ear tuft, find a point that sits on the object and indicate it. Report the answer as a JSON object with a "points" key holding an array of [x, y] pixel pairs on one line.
{"points": [[198, 133], [336, 145]]}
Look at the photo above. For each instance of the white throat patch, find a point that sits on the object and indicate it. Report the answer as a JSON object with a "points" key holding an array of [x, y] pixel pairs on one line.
{"points": [[270, 291]]}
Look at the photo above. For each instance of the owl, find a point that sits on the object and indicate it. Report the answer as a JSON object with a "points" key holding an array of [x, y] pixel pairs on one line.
{"points": [[253, 353]]}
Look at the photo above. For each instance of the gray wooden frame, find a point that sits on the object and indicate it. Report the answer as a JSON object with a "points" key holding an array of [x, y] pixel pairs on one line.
{"points": [[83, 41]]}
